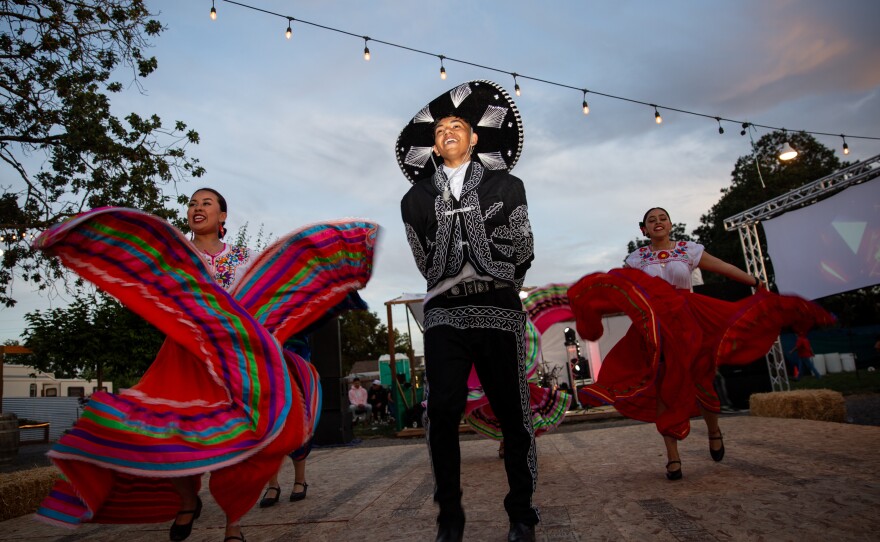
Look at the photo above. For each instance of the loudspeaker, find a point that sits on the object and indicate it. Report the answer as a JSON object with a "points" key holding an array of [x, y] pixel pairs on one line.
{"points": [[334, 428], [335, 394], [741, 381], [326, 346]]}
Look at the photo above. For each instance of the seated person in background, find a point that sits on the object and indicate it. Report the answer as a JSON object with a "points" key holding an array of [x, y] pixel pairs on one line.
{"points": [[378, 397], [357, 398]]}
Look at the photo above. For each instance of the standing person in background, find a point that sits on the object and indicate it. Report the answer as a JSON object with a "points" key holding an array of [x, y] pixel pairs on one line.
{"points": [[662, 370], [468, 228], [804, 351]]}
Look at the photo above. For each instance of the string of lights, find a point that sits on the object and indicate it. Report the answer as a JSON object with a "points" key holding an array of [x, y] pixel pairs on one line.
{"points": [[746, 126]]}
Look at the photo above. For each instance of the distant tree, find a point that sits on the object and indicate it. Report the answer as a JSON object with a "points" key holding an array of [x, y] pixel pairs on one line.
{"points": [[95, 337], [64, 150], [814, 161], [746, 191], [854, 308], [365, 337], [678, 233]]}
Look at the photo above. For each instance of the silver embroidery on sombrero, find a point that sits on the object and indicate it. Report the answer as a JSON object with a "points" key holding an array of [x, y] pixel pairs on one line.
{"points": [[492, 160], [459, 93], [493, 117], [417, 156], [424, 115]]}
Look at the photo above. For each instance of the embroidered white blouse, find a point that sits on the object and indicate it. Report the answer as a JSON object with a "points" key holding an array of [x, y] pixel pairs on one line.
{"points": [[674, 266]]}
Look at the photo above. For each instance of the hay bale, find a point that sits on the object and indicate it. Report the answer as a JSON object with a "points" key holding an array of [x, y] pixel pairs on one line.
{"points": [[22, 491], [820, 405]]}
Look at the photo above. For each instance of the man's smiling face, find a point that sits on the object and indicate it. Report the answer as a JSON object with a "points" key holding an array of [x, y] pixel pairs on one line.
{"points": [[453, 139]]}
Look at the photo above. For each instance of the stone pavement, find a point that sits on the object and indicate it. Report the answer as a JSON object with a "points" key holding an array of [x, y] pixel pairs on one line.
{"points": [[781, 479]]}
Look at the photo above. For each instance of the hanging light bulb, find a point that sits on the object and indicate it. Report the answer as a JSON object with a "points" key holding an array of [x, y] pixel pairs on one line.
{"points": [[745, 127], [366, 49], [845, 146], [516, 85], [787, 152], [586, 106], [213, 11], [442, 69], [289, 32], [657, 118], [720, 128]]}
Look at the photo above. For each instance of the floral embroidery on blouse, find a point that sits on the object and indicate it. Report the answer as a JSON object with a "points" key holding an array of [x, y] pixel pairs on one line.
{"points": [[226, 264], [678, 253]]}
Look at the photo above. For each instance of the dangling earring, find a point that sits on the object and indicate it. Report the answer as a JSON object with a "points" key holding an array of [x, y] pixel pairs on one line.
{"points": [[222, 231]]}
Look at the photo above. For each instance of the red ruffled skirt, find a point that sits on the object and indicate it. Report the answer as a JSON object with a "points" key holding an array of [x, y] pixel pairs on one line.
{"points": [[676, 341]]}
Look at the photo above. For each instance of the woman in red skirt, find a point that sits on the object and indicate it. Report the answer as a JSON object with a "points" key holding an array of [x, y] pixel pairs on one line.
{"points": [[662, 370]]}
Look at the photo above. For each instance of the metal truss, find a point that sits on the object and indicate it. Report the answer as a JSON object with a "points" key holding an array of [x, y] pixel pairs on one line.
{"points": [[746, 223], [807, 194]]}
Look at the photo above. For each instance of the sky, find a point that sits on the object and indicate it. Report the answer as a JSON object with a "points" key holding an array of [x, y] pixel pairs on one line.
{"points": [[303, 130]]}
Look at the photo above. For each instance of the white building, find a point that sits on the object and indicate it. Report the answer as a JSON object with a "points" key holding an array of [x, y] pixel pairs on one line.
{"points": [[23, 381]]}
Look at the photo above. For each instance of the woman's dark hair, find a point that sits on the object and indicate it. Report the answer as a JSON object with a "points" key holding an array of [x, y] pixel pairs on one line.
{"points": [[222, 201], [644, 218]]}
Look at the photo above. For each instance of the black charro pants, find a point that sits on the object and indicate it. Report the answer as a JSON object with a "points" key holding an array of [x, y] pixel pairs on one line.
{"points": [[487, 331]]}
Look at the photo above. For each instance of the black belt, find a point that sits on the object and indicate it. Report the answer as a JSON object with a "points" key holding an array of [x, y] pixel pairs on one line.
{"points": [[470, 287]]}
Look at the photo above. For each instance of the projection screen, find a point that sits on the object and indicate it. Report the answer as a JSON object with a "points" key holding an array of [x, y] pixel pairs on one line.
{"points": [[829, 247]]}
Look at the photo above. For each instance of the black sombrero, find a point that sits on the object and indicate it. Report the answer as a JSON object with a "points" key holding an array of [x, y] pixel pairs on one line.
{"points": [[486, 106]]}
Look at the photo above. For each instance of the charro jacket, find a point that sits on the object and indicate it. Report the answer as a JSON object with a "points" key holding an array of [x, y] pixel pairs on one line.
{"points": [[488, 227]]}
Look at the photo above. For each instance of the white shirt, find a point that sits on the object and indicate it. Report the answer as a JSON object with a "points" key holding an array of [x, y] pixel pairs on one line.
{"points": [[674, 266], [456, 178]]}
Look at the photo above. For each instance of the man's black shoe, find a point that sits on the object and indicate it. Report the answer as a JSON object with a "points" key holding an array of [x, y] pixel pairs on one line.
{"points": [[520, 532], [451, 532]]}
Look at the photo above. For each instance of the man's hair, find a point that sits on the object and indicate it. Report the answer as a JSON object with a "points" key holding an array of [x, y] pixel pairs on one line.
{"points": [[455, 115]]}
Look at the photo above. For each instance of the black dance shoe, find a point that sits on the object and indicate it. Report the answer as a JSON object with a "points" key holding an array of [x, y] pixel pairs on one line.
{"points": [[673, 474], [182, 531], [450, 532], [520, 532], [299, 495], [717, 455], [267, 501]]}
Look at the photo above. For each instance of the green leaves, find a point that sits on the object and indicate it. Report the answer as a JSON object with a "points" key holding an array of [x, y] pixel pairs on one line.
{"points": [[746, 190], [63, 148], [93, 333]]}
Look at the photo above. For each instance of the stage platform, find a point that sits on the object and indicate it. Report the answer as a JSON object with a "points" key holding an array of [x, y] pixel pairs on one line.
{"points": [[782, 479]]}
